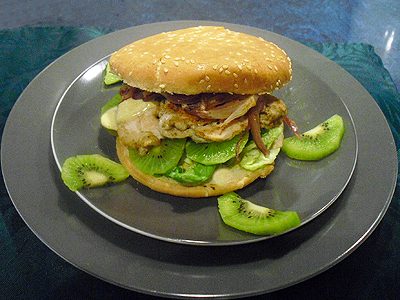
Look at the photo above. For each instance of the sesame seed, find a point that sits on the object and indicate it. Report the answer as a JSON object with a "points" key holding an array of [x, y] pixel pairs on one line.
{"points": [[236, 86], [276, 68], [215, 67], [255, 71], [130, 73], [245, 80], [240, 67], [208, 87], [165, 70], [221, 70], [248, 67], [207, 78], [225, 67], [167, 56], [227, 72], [163, 60], [192, 61], [162, 85], [270, 67], [176, 63], [201, 81], [235, 75]]}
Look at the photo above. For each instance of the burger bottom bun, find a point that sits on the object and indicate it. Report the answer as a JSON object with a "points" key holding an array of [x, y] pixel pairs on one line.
{"points": [[224, 180]]}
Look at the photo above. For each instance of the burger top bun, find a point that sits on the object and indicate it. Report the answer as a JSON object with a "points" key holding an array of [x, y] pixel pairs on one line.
{"points": [[204, 59]]}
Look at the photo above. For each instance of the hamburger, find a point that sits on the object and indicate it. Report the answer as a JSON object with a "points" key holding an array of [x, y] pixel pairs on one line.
{"points": [[197, 116]]}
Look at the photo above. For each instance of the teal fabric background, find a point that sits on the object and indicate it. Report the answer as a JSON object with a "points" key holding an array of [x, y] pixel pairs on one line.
{"points": [[30, 270]]}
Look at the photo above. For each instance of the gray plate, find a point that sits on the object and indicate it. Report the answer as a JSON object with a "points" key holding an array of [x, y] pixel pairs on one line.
{"points": [[306, 187], [100, 247]]}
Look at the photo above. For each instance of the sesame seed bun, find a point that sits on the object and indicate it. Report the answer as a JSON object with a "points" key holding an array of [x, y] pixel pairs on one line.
{"points": [[224, 180], [204, 59]]}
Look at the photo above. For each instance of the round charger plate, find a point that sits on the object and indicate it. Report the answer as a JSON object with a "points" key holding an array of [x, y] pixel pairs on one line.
{"points": [[305, 187], [118, 255]]}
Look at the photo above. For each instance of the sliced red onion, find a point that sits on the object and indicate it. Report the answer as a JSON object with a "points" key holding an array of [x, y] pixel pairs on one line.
{"points": [[254, 123], [292, 125]]}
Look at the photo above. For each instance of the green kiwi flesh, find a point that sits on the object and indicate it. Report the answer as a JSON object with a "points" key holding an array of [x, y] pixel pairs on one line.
{"points": [[216, 152], [317, 143], [87, 171], [249, 217], [159, 159], [191, 173], [109, 77]]}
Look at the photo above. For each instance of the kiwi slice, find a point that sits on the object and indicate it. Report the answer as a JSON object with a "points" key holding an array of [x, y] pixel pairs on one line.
{"points": [[317, 143], [216, 152], [247, 216], [109, 77], [86, 171], [159, 159], [191, 172]]}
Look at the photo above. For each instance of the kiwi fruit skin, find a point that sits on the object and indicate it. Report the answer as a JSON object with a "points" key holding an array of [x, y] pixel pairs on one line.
{"points": [[159, 159], [246, 216], [216, 152], [92, 170], [317, 143]]}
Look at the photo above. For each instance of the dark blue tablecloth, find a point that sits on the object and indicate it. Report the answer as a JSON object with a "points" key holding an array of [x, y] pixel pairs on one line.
{"points": [[28, 269]]}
